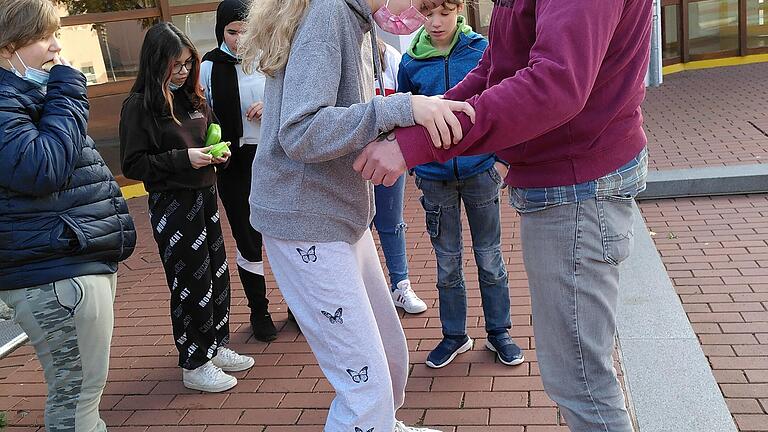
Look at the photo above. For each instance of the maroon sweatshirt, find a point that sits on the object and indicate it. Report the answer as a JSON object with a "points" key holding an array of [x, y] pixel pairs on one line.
{"points": [[557, 93]]}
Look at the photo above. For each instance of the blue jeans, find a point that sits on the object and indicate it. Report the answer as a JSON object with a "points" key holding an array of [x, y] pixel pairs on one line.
{"points": [[442, 203], [391, 228]]}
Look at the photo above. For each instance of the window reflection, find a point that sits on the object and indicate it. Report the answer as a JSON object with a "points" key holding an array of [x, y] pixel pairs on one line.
{"points": [[713, 26], [103, 123], [485, 7], [106, 52], [77, 7], [671, 31], [190, 2], [200, 29], [757, 23]]}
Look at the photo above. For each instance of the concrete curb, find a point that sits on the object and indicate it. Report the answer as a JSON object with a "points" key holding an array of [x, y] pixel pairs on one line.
{"points": [[668, 378], [11, 337], [730, 180]]}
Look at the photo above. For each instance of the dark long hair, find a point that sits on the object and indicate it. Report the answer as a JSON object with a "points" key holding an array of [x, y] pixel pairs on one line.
{"points": [[162, 45]]}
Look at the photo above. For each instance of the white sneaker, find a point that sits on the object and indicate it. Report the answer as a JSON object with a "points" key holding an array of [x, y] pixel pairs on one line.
{"points": [[208, 378], [405, 298], [230, 361], [401, 427]]}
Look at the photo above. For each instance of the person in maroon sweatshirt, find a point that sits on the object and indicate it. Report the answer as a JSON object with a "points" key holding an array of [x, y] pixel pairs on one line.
{"points": [[557, 95]]}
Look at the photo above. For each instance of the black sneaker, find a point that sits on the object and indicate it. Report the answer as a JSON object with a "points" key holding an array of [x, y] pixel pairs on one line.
{"points": [[263, 328], [292, 318], [505, 348], [447, 350]]}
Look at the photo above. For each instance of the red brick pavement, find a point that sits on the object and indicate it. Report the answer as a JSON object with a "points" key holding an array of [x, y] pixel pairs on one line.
{"points": [[716, 252], [708, 118], [286, 390]]}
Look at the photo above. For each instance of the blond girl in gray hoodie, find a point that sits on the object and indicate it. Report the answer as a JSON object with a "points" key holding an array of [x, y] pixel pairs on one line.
{"points": [[313, 210]]}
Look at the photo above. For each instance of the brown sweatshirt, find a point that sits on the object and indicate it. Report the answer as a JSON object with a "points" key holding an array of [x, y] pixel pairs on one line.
{"points": [[154, 149]]}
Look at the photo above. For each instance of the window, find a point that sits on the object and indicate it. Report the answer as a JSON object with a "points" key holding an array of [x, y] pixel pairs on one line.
{"points": [[78, 7], [713, 26], [200, 29], [670, 31], [111, 49], [757, 23]]}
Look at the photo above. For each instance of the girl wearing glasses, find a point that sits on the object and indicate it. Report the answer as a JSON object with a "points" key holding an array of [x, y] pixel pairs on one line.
{"points": [[162, 143]]}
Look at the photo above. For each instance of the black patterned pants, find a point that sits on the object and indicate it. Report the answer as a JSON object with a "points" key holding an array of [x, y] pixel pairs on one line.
{"points": [[188, 234]]}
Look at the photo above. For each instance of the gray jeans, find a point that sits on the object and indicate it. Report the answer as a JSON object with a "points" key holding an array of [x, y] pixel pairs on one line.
{"points": [[69, 323], [572, 253]]}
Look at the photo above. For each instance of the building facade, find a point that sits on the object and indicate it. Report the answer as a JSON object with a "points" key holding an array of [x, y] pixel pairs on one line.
{"points": [[710, 29]]}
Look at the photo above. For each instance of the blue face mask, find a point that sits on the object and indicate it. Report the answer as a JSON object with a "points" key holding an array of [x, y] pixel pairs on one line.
{"points": [[36, 76], [173, 86], [224, 47]]}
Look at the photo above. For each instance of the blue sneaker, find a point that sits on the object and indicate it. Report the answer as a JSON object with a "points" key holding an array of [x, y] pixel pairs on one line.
{"points": [[506, 349], [447, 350]]}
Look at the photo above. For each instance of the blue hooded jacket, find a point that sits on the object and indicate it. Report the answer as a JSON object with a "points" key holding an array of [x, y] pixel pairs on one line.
{"points": [[62, 214], [426, 71]]}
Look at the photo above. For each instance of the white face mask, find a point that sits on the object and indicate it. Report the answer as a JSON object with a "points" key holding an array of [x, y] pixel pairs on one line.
{"points": [[225, 48]]}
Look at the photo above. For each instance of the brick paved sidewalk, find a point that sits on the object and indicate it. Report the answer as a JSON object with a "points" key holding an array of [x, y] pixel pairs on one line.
{"points": [[711, 117], [716, 252], [286, 391]]}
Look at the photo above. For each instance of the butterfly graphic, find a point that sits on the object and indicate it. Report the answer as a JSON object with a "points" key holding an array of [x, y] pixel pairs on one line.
{"points": [[359, 377], [335, 318], [308, 256], [357, 429]]}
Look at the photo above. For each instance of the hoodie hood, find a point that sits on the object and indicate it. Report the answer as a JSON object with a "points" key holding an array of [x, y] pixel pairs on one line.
{"points": [[227, 12], [421, 47], [363, 12]]}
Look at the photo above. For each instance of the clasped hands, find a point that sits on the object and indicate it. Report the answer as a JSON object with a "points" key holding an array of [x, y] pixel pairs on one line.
{"points": [[382, 162]]}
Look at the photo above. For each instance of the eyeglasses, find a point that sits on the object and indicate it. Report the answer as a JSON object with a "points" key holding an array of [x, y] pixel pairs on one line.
{"points": [[186, 65]]}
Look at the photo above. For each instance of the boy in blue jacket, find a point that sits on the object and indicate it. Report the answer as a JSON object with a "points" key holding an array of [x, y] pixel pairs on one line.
{"points": [[441, 55]]}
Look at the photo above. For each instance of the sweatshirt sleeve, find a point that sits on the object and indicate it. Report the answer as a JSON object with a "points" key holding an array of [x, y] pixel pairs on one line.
{"points": [[137, 145], [571, 43], [39, 157], [312, 128]]}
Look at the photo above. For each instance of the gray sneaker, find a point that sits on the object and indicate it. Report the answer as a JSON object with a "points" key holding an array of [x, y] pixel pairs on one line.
{"points": [[230, 361]]}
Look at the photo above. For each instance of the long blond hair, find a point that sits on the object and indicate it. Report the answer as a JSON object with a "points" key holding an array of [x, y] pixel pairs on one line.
{"points": [[271, 26]]}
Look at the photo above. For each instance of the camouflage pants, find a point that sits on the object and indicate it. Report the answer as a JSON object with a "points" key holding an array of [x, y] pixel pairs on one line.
{"points": [[69, 323]]}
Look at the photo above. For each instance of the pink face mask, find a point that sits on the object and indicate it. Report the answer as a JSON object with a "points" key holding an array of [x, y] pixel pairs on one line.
{"points": [[404, 24]]}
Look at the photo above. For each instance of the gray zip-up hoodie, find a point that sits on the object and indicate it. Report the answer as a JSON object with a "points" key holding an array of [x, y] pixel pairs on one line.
{"points": [[319, 113]]}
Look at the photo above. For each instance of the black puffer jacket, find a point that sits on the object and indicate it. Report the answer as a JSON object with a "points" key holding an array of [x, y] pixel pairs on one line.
{"points": [[62, 214]]}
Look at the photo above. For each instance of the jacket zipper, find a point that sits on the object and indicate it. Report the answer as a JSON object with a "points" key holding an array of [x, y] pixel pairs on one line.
{"points": [[448, 86]]}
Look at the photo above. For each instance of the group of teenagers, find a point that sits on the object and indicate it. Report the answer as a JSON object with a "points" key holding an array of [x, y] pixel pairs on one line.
{"points": [[325, 125]]}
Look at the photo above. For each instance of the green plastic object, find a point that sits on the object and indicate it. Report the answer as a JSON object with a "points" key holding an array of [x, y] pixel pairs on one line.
{"points": [[218, 149], [213, 136]]}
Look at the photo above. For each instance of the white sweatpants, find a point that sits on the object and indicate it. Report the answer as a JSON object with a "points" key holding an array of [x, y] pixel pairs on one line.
{"points": [[341, 300]]}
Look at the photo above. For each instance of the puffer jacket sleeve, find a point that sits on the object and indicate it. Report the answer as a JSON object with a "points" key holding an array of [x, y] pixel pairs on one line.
{"points": [[39, 155]]}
